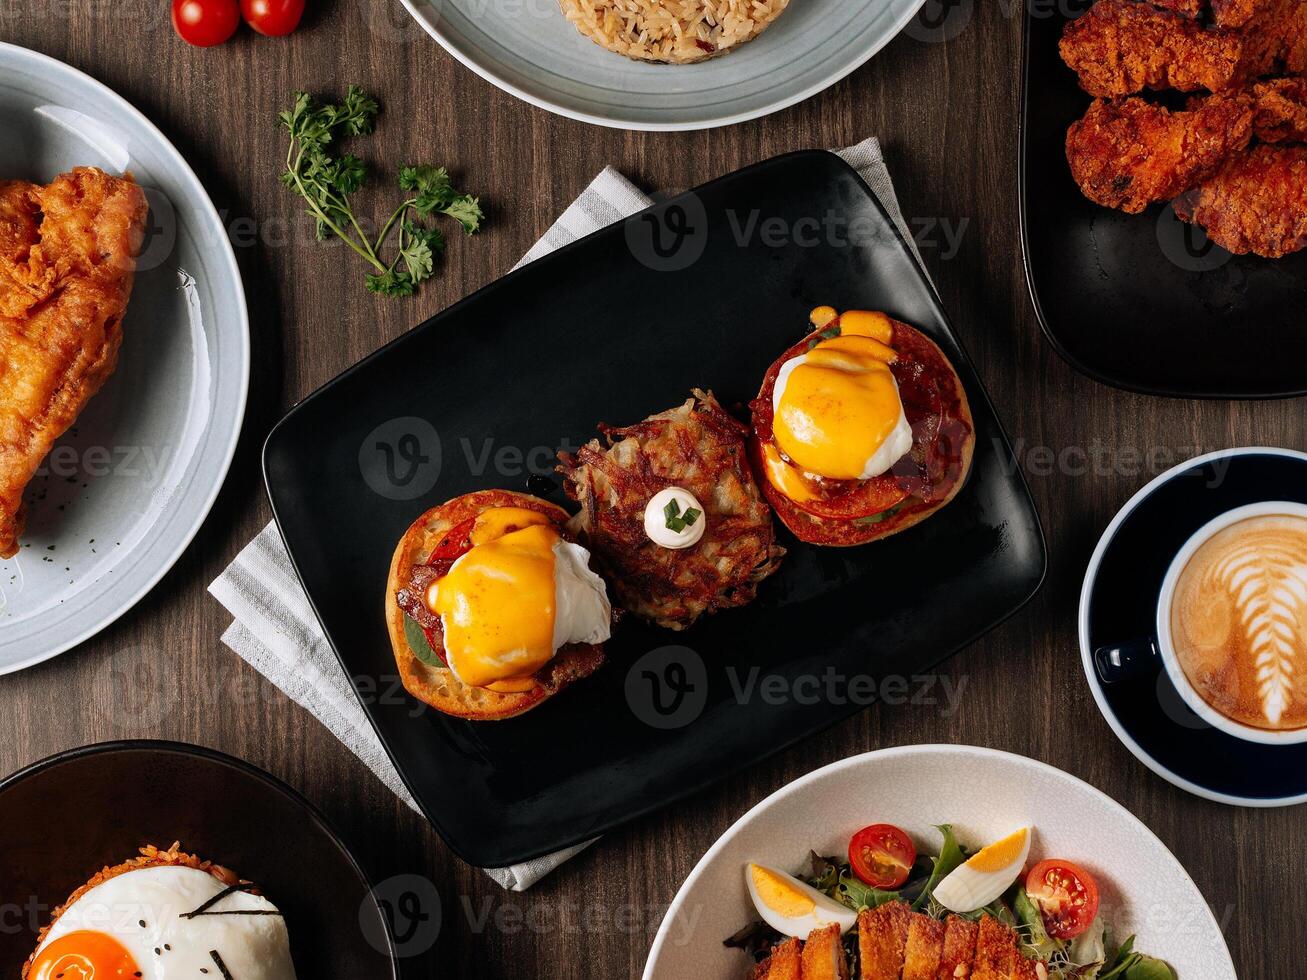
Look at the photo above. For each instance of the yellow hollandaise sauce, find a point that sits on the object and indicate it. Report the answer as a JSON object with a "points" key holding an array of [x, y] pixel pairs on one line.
{"points": [[498, 602], [837, 410]]}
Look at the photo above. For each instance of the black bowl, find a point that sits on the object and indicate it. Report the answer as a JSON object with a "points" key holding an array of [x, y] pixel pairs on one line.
{"points": [[68, 816]]}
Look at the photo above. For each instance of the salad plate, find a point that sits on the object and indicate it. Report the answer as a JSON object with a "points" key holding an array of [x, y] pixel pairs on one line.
{"points": [[122, 494], [984, 794]]}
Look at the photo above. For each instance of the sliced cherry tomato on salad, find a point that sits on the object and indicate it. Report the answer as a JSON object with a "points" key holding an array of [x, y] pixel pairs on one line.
{"points": [[205, 23], [275, 18], [1066, 896], [882, 856]]}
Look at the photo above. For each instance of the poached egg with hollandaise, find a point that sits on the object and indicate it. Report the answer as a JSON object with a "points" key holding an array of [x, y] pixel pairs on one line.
{"points": [[837, 412], [516, 597]]}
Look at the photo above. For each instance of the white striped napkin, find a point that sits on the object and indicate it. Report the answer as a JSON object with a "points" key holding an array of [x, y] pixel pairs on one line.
{"points": [[274, 628]]}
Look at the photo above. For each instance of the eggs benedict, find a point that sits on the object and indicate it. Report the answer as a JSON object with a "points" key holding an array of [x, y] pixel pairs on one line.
{"points": [[492, 607], [860, 430], [165, 915], [673, 513]]}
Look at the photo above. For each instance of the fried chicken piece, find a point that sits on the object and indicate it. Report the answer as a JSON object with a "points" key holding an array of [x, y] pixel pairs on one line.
{"points": [[1236, 13], [1186, 8], [1120, 47], [1281, 106], [64, 285], [1131, 153], [1257, 203], [1272, 38]]}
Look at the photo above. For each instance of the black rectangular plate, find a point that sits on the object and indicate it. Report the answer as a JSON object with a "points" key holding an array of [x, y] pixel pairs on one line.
{"points": [[1143, 302], [593, 333]]}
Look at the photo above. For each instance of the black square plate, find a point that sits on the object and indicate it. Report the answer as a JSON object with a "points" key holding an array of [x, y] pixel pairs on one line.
{"points": [[1143, 301], [611, 329]]}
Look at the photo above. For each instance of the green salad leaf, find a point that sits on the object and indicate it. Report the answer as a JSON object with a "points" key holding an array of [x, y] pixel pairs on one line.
{"points": [[420, 645], [1035, 939], [857, 895], [1130, 965], [951, 856]]}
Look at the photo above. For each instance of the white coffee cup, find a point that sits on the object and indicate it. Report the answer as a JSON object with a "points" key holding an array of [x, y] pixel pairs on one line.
{"points": [[1121, 661]]}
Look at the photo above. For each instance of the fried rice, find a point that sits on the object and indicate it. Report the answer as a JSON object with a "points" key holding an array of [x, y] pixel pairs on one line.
{"points": [[673, 31]]}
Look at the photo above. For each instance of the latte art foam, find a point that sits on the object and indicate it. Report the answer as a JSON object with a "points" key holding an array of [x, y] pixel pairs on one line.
{"points": [[1239, 622]]}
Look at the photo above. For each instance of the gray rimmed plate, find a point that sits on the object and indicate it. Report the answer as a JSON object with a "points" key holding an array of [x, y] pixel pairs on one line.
{"points": [[529, 49], [123, 493]]}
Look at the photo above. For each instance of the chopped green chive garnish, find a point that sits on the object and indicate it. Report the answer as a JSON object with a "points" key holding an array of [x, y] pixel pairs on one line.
{"points": [[830, 333], [678, 522]]}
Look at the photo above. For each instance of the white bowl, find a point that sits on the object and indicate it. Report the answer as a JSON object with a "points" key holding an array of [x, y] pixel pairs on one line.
{"points": [[984, 794]]}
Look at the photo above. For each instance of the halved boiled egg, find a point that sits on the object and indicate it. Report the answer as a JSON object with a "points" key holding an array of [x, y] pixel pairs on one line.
{"points": [[986, 875], [791, 907]]}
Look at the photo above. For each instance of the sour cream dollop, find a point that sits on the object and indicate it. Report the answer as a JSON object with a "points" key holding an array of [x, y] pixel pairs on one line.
{"points": [[674, 518]]}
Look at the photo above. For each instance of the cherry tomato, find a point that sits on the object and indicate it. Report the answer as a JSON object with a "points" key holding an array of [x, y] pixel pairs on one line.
{"points": [[274, 18], [882, 856], [205, 23], [1066, 896]]}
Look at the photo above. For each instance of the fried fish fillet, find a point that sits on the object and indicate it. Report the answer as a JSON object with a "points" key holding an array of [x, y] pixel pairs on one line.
{"points": [[1257, 203], [1128, 154], [1120, 47], [67, 261]]}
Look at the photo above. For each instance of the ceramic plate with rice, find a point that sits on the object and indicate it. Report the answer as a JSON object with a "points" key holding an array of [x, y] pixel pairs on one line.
{"points": [[664, 64], [677, 32]]}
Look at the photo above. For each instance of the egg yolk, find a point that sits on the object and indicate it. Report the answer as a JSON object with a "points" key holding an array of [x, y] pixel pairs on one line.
{"points": [[780, 895], [1001, 854], [497, 605], [85, 956], [838, 405]]}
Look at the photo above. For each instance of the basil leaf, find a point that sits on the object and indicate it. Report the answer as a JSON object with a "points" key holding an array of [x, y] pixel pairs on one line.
{"points": [[419, 644]]}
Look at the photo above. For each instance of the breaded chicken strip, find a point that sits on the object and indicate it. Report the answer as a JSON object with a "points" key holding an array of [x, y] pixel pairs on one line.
{"points": [[1236, 13], [1281, 106], [61, 306], [1187, 8], [1120, 47], [1131, 153], [1257, 203]]}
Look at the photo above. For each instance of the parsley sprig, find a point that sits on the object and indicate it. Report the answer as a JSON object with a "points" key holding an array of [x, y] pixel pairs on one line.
{"points": [[325, 181]]}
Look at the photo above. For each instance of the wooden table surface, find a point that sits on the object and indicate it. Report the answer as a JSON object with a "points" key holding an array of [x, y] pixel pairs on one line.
{"points": [[947, 115]]}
